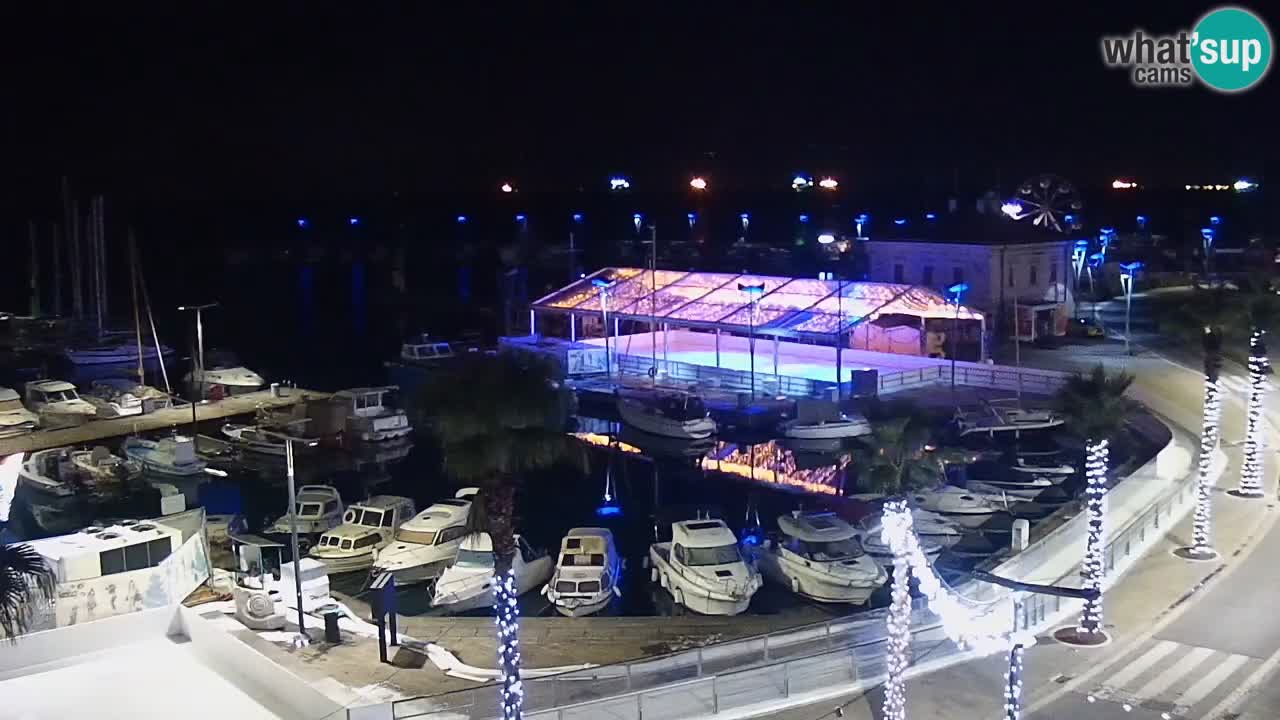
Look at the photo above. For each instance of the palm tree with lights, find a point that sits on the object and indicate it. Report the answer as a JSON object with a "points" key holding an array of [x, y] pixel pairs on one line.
{"points": [[1096, 410], [1263, 307], [499, 420], [25, 580]]}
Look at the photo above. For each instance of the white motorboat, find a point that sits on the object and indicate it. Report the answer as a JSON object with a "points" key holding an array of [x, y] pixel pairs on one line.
{"points": [[114, 354], [837, 429], [931, 528], [468, 583], [251, 438], [999, 417], [112, 401], [318, 509], [1001, 475], [57, 403], [174, 456], [423, 350], [233, 379], [703, 569], [879, 550], [668, 413], [100, 465], [369, 418], [960, 506], [15, 419], [1049, 467], [819, 556], [50, 472], [367, 527], [1003, 492], [428, 542], [587, 573]]}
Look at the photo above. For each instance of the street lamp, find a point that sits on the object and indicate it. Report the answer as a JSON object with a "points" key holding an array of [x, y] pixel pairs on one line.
{"points": [[698, 183], [1207, 236], [293, 527], [605, 287], [958, 290], [828, 183], [199, 338], [1078, 254], [753, 297], [860, 223], [1127, 272]]}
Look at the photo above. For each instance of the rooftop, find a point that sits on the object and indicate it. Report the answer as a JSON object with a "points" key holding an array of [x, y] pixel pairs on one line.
{"points": [[97, 539]]}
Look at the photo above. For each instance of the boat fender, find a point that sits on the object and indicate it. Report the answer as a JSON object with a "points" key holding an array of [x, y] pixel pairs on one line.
{"points": [[617, 591], [795, 586]]}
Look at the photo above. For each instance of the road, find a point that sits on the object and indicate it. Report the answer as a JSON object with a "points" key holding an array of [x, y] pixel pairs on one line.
{"points": [[1192, 641]]}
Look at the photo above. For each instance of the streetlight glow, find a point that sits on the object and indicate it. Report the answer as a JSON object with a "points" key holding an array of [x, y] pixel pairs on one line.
{"points": [[828, 183], [801, 182], [1013, 209], [826, 238], [507, 187], [1123, 184], [698, 183], [618, 182]]}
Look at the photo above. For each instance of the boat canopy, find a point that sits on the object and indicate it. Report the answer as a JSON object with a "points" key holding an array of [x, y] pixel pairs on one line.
{"points": [[815, 527]]}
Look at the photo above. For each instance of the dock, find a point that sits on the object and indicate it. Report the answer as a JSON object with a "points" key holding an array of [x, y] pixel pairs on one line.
{"points": [[159, 420]]}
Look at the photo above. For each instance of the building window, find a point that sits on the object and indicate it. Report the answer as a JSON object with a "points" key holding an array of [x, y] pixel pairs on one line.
{"points": [[1012, 283], [1053, 271], [1032, 276], [926, 275], [957, 275], [897, 273]]}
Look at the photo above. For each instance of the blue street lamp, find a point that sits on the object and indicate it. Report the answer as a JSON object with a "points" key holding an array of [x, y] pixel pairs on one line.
{"points": [[753, 298], [957, 291], [1207, 236], [1127, 273], [860, 223]]}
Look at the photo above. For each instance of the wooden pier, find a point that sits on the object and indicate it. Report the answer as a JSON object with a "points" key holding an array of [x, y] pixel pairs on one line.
{"points": [[159, 420]]}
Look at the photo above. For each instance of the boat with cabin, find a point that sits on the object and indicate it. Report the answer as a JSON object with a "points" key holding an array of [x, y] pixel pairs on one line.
{"points": [[822, 420], [587, 573], [172, 456], [667, 413], [966, 509], [15, 418], [318, 509], [254, 439], [57, 403], [819, 556], [112, 401], [115, 353], [428, 542], [997, 416], [368, 416], [367, 527], [225, 372], [424, 351], [467, 584], [703, 568]]}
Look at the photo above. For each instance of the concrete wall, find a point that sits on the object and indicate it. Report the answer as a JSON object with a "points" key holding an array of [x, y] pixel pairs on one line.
{"points": [[61, 647]]}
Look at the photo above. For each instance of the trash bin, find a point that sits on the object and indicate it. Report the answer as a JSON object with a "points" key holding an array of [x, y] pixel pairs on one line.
{"points": [[331, 633]]}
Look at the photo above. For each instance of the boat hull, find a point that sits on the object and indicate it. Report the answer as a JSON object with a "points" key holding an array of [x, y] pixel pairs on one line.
{"points": [[638, 418], [351, 563], [581, 607], [814, 587]]}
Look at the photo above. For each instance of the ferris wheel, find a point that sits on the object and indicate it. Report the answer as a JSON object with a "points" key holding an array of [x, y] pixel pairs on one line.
{"points": [[1049, 201]]}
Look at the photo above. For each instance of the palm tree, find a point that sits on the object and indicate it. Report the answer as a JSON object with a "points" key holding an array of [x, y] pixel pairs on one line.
{"points": [[1262, 306], [1095, 409], [498, 419], [24, 579]]}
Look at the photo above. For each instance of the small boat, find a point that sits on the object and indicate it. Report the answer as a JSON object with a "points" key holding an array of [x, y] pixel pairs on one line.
{"points": [[879, 550], [369, 418], [422, 350], [838, 429], [50, 472], [15, 419], [112, 401], [468, 583], [233, 379], [819, 556], [1004, 495], [367, 527], [587, 574], [428, 542], [114, 354], [58, 404], [703, 568], [319, 509], [100, 465], [929, 527], [1042, 466], [1000, 474], [249, 437], [174, 456], [960, 506], [667, 413], [997, 417]]}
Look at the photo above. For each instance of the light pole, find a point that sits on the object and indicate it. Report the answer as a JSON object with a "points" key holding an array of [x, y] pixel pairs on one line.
{"points": [[199, 334], [958, 290], [652, 242], [1207, 236], [605, 286], [1127, 271], [293, 529], [1078, 254], [753, 298]]}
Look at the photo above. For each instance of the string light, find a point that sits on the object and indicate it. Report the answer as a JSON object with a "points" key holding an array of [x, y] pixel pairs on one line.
{"points": [[1251, 470], [507, 618], [1092, 569], [1013, 686], [1202, 528], [899, 641]]}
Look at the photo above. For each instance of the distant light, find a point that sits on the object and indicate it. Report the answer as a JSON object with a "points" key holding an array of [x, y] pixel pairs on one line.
{"points": [[462, 219], [1107, 232], [353, 220], [826, 238], [1215, 220], [862, 218], [1012, 209], [507, 188], [577, 217], [958, 289], [692, 217], [637, 217], [744, 216], [828, 183], [602, 283], [698, 183], [899, 221], [930, 216], [619, 183], [804, 218], [302, 222], [800, 182], [1082, 244], [1123, 184], [520, 217], [1070, 218], [582, 275], [1142, 219], [1131, 267], [1242, 185], [608, 510]]}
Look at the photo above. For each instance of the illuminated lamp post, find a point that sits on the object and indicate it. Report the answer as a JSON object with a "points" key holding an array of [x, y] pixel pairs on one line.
{"points": [[605, 287], [753, 298], [1207, 236], [1127, 273], [958, 290], [698, 183], [1251, 468], [1078, 254], [860, 224]]}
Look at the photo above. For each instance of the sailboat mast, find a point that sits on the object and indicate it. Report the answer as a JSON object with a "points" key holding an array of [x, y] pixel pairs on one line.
{"points": [[653, 303], [103, 313], [57, 270], [142, 284], [137, 316], [35, 268]]}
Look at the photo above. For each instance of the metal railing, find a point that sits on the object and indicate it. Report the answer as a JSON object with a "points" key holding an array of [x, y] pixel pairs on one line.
{"points": [[1000, 377]]}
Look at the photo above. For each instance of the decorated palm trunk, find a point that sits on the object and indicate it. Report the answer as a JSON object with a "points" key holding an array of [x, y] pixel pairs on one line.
{"points": [[1092, 569], [506, 612], [1013, 685], [898, 646], [1202, 530], [1251, 469]]}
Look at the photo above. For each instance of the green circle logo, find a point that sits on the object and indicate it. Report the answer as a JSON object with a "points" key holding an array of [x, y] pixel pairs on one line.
{"points": [[1231, 49]]}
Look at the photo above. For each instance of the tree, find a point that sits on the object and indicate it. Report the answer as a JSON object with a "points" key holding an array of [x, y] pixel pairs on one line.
{"points": [[1262, 310], [1095, 409], [498, 419], [24, 579]]}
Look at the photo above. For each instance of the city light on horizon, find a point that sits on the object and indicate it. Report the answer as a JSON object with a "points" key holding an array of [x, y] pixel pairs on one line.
{"points": [[507, 187], [1123, 184], [828, 183], [698, 183]]}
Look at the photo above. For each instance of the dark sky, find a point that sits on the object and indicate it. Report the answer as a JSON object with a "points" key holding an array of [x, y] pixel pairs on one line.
{"points": [[422, 97]]}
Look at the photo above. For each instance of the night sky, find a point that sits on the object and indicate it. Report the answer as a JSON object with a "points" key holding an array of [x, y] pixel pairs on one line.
{"points": [[165, 108]]}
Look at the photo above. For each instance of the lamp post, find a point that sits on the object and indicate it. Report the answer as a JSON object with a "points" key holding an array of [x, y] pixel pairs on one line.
{"points": [[199, 333], [1127, 271], [1207, 236], [753, 298], [958, 290], [605, 286], [1078, 254], [293, 528]]}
